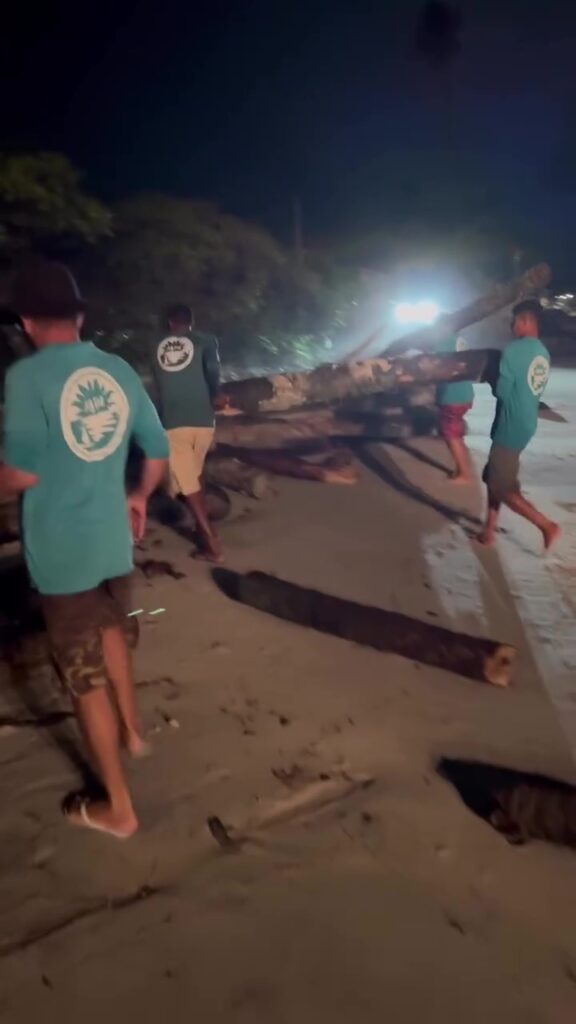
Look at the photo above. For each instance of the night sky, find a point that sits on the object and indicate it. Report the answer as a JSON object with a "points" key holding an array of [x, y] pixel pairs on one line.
{"points": [[250, 102]]}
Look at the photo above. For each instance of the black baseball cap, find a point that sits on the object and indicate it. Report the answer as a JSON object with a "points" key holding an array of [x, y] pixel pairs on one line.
{"points": [[46, 291]]}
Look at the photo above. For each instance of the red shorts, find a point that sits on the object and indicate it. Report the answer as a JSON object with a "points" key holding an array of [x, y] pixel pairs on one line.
{"points": [[451, 425]]}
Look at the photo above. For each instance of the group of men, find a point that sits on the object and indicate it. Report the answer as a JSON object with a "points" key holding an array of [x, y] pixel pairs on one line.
{"points": [[523, 374], [71, 411]]}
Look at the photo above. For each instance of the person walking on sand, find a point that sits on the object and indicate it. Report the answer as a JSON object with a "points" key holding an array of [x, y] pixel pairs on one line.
{"points": [[454, 400], [70, 412], [186, 367], [522, 378]]}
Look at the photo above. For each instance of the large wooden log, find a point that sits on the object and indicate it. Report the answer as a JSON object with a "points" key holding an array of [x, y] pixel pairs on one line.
{"points": [[473, 657], [532, 282], [288, 431], [332, 469], [332, 383]]}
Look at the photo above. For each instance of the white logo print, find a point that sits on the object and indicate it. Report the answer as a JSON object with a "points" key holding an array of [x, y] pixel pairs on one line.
{"points": [[538, 373], [93, 414], [175, 353], [460, 344]]}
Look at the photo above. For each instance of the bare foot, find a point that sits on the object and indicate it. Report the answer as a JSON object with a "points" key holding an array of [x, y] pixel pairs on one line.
{"points": [[215, 557], [486, 538], [551, 534], [346, 475], [136, 745], [99, 816]]}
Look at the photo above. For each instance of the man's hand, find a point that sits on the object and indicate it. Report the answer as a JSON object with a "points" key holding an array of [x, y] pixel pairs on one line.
{"points": [[137, 509], [221, 401]]}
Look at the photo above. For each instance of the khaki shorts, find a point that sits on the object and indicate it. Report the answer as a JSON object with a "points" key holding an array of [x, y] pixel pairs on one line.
{"points": [[189, 447], [501, 474], [74, 623]]}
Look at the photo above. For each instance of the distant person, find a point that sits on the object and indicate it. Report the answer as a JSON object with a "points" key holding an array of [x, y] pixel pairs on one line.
{"points": [[70, 412], [455, 399], [522, 379], [186, 367]]}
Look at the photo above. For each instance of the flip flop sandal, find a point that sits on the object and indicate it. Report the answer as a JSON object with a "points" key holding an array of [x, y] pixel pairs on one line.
{"points": [[80, 806]]}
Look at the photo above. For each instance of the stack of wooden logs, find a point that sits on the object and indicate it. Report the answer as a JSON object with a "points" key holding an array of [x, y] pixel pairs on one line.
{"points": [[274, 423]]}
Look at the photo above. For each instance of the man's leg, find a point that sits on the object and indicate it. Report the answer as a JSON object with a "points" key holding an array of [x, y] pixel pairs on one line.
{"points": [[118, 664], [550, 530], [452, 432], [459, 453], [488, 533], [98, 723], [208, 536]]}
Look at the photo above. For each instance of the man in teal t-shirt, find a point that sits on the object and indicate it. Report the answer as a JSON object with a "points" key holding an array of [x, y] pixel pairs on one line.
{"points": [[522, 379], [186, 367], [70, 412], [455, 399]]}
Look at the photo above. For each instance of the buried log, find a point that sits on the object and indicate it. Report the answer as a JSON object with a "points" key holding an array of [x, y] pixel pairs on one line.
{"points": [[519, 805], [333, 382], [474, 657], [335, 468], [237, 476]]}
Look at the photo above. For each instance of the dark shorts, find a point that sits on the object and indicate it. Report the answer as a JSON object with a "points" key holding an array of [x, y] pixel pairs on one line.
{"points": [[451, 424], [501, 473], [74, 623]]}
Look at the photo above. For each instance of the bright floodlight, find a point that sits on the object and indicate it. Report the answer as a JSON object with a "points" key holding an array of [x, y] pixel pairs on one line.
{"points": [[425, 312]]}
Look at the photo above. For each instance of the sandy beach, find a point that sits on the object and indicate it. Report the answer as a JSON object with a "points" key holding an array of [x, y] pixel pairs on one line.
{"points": [[361, 889]]}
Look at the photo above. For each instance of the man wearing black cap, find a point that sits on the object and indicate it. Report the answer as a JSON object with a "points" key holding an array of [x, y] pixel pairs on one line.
{"points": [[70, 411]]}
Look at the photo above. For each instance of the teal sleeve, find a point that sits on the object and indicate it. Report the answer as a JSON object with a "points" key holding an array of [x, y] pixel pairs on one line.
{"points": [[147, 430], [25, 425], [211, 360], [505, 382]]}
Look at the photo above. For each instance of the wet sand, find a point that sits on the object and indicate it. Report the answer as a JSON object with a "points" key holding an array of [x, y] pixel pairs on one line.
{"points": [[362, 888]]}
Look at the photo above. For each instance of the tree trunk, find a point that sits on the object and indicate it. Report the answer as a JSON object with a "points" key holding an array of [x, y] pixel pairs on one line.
{"points": [[333, 383], [469, 656], [530, 283], [236, 476], [236, 432], [334, 469], [527, 285]]}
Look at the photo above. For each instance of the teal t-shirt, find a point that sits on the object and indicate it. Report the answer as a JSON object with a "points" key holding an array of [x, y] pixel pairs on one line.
{"points": [[187, 375], [70, 411], [454, 392], [522, 379]]}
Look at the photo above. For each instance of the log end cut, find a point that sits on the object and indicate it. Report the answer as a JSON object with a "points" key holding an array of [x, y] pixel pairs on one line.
{"points": [[498, 665]]}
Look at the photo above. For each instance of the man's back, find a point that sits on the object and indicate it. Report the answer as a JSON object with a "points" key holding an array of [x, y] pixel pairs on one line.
{"points": [[523, 376], [186, 370], [70, 412]]}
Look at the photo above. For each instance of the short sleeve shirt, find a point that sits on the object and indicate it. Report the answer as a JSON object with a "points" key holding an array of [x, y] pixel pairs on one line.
{"points": [[186, 371], [522, 379], [70, 411]]}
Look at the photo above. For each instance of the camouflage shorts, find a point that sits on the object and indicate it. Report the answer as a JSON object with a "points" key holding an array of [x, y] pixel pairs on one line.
{"points": [[74, 623]]}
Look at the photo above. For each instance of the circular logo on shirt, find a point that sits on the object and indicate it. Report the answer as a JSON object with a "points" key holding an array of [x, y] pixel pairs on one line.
{"points": [[175, 353], [93, 414], [538, 373]]}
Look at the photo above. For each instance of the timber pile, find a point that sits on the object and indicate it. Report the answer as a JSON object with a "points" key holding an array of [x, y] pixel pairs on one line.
{"points": [[388, 398]]}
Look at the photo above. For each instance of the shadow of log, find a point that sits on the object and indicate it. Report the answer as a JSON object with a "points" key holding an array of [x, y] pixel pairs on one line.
{"points": [[387, 631], [520, 805]]}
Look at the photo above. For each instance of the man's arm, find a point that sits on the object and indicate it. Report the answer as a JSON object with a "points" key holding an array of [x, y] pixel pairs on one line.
{"points": [[505, 381], [149, 434], [25, 433], [212, 371]]}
